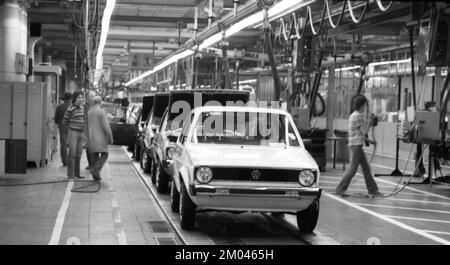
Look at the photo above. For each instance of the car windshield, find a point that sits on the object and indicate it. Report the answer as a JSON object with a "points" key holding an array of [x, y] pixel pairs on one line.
{"points": [[244, 128]]}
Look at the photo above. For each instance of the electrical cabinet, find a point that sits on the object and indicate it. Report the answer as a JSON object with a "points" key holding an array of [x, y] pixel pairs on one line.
{"points": [[26, 114]]}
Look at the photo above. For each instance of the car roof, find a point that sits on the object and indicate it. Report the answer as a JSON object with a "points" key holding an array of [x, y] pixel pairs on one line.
{"points": [[161, 94], [239, 109], [223, 91]]}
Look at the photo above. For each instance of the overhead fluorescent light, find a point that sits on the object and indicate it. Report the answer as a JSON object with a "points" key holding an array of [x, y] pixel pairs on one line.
{"points": [[282, 7], [161, 66], [389, 62], [110, 4]]}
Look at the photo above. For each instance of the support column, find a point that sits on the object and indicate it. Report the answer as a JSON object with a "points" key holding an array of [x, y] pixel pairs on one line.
{"points": [[13, 40], [438, 82], [330, 106]]}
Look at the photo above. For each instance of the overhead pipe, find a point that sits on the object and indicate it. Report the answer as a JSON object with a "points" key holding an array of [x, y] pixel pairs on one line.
{"points": [[210, 13]]}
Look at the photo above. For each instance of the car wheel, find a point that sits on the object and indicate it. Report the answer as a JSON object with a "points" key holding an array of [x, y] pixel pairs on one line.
{"points": [[307, 219], [162, 179], [140, 161], [187, 210], [174, 198], [137, 152], [146, 162], [153, 172]]}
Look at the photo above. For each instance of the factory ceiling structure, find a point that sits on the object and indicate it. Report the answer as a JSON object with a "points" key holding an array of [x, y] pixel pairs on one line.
{"points": [[151, 30]]}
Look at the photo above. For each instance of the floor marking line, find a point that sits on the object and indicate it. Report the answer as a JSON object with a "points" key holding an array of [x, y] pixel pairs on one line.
{"points": [[436, 232], [357, 184], [120, 233], [418, 219], [59, 223], [408, 188], [403, 208], [389, 220], [386, 156], [419, 201], [363, 191]]}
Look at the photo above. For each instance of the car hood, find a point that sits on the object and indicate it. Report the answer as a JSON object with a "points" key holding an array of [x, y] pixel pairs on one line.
{"points": [[251, 156]]}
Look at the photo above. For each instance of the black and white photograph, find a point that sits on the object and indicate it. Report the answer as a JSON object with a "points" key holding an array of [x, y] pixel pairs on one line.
{"points": [[224, 131]]}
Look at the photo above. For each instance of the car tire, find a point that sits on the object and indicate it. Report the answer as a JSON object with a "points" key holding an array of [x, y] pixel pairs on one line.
{"points": [[187, 209], [140, 161], [153, 172], [162, 179], [146, 161], [307, 219], [174, 198], [137, 152]]}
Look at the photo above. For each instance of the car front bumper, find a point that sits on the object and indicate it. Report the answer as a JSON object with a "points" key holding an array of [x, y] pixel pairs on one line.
{"points": [[259, 199]]}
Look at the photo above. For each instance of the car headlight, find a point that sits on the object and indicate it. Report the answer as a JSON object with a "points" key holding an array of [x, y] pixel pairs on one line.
{"points": [[306, 178], [204, 175], [169, 152]]}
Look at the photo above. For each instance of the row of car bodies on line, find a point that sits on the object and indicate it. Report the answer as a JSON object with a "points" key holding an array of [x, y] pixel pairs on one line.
{"points": [[217, 158]]}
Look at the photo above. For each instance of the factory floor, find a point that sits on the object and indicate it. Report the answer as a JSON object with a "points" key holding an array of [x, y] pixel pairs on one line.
{"points": [[127, 210]]}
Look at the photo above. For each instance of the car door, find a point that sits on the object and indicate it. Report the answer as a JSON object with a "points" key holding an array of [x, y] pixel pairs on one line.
{"points": [[123, 133], [158, 142], [179, 154]]}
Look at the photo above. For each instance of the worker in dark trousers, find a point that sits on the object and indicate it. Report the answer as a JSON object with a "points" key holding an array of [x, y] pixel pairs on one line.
{"points": [[87, 106], [74, 120], [63, 130], [100, 136], [357, 132]]}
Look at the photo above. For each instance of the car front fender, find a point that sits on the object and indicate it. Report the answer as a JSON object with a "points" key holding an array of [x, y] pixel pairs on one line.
{"points": [[184, 177]]}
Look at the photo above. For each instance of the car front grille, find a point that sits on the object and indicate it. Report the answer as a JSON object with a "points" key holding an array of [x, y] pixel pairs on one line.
{"points": [[255, 174]]}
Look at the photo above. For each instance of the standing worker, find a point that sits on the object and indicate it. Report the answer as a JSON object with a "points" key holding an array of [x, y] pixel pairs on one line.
{"points": [[87, 106], [357, 132], [420, 168], [63, 130], [74, 120], [100, 135]]}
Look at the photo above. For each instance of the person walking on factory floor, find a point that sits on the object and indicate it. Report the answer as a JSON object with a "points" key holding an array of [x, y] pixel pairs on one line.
{"points": [[87, 106], [357, 132], [63, 130], [100, 135], [74, 120]]}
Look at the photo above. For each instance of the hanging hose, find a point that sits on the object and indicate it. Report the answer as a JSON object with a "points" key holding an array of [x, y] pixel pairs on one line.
{"points": [[298, 25], [34, 183], [395, 191], [282, 33], [78, 190], [383, 8], [341, 15], [352, 14], [311, 23]]}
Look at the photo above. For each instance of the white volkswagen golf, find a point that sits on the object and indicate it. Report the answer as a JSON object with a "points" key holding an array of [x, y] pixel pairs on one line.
{"points": [[243, 159]]}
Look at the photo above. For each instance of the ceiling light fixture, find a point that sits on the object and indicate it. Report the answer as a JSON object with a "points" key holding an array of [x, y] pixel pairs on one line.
{"points": [[278, 10], [110, 4]]}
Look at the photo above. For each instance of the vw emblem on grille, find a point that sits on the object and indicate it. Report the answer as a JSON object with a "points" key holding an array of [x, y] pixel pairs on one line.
{"points": [[256, 175]]}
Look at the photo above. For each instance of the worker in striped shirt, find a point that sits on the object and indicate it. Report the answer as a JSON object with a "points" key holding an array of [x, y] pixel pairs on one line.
{"points": [[74, 120], [357, 132]]}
